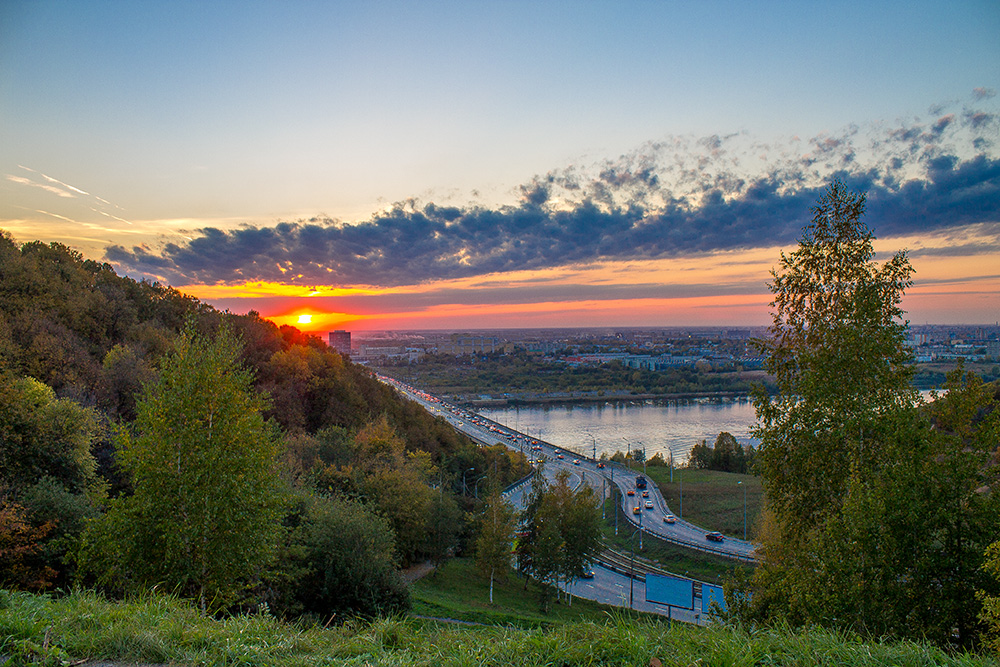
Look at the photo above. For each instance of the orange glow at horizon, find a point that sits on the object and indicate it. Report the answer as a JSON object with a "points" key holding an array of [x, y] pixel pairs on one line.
{"points": [[725, 288]]}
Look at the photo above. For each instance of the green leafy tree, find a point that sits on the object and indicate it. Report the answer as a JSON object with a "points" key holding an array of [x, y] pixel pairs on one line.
{"points": [[204, 516], [497, 523], [579, 526], [348, 554], [43, 436], [562, 532], [905, 555], [878, 511], [990, 614], [836, 351], [443, 527]]}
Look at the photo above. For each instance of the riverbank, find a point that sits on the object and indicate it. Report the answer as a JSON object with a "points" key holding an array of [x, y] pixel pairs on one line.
{"points": [[514, 399]]}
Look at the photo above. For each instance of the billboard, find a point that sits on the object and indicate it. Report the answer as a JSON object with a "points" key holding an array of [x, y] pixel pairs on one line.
{"points": [[673, 591]]}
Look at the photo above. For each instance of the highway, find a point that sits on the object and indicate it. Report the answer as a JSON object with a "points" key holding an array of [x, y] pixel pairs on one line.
{"points": [[607, 586]]}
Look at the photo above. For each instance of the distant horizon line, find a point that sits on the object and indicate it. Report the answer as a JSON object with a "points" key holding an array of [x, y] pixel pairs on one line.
{"points": [[622, 328]]}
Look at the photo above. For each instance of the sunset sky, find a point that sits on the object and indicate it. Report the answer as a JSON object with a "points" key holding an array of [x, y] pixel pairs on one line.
{"points": [[462, 165]]}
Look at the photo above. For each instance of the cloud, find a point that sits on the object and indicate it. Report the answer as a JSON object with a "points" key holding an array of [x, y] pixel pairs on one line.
{"points": [[56, 181], [20, 180], [671, 198]]}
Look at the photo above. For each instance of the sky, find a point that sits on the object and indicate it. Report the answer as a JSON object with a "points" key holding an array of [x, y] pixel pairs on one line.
{"points": [[482, 165]]}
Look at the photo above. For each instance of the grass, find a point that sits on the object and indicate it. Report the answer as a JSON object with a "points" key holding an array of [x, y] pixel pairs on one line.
{"points": [[459, 591], [156, 628]]}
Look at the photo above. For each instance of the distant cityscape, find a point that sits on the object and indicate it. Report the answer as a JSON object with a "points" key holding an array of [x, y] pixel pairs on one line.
{"points": [[646, 348]]}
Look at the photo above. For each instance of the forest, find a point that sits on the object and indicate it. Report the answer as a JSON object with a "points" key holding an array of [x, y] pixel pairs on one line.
{"points": [[323, 481]]}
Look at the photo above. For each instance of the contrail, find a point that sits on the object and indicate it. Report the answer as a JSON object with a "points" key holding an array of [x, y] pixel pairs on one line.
{"points": [[61, 217], [27, 181], [54, 180]]}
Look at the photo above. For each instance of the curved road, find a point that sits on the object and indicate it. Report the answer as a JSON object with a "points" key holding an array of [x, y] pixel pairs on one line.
{"points": [[607, 586]]}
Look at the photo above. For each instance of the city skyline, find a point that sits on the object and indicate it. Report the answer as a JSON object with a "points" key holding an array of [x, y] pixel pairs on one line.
{"points": [[373, 166]]}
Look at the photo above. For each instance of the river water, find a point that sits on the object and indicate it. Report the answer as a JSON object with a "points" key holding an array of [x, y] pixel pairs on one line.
{"points": [[661, 427]]}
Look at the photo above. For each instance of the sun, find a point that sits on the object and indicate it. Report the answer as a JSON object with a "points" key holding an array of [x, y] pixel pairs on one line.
{"points": [[305, 319]]}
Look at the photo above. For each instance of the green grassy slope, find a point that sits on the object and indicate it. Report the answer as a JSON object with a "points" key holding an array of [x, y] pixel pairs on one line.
{"points": [[158, 629]]}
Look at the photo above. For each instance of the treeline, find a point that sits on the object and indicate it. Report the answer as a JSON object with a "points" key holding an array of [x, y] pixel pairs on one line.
{"points": [[727, 455], [521, 372], [107, 382]]}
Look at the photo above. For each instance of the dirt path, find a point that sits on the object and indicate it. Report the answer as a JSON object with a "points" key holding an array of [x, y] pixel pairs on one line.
{"points": [[418, 571]]}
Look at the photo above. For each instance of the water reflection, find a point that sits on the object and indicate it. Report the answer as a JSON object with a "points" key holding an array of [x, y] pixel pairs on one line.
{"points": [[610, 427], [661, 427]]}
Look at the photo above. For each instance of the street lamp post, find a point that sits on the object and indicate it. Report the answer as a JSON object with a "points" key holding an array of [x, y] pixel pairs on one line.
{"points": [[465, 489], [740, 483], [643, 511], [613, 487], [631, 566]]}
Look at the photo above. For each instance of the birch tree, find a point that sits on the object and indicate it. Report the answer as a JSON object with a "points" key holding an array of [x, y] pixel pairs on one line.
{"points": [[497, 524], [204, 516]]}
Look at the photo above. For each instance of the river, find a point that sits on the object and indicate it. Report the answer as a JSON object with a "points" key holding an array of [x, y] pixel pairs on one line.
{"points": [[609, 427], [660, 426]]}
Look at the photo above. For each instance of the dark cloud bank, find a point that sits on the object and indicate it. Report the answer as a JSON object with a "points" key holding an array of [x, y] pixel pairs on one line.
{"points": [[668, 199]]}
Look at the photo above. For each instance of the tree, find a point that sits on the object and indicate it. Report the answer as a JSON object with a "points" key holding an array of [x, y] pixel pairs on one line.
{"points": [[349, 556], [837, 353], [579, 526], [562, 532], [497, 523], [43, 436], [990, 614], [443, 527], [878, 509], [204, 516], [20, 546]]}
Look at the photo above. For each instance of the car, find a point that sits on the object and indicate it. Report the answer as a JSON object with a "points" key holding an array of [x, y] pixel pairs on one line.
{"points": [[714, 536], [636, 510], [649, 504], [630, 492], [669, 518], [600, 464], [645, 494], [589, 574], [576, 462], [560, 456]]}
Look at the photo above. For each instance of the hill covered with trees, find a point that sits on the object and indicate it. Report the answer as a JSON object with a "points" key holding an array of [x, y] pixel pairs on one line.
{"points": [[106, 381]]}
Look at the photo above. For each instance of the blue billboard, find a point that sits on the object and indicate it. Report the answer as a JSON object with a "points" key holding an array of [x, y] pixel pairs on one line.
{"points": [[672, 591]]}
